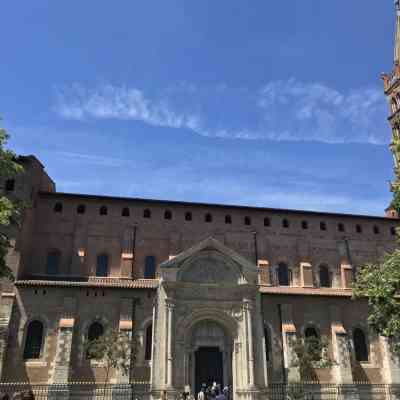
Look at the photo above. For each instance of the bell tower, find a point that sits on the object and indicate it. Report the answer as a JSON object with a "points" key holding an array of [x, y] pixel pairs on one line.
{"points": [[391, 83]]}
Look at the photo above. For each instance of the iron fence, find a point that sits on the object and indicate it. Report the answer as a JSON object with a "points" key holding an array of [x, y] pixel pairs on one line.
{"points": [[75, 391], [141, 391], [320, 391]]}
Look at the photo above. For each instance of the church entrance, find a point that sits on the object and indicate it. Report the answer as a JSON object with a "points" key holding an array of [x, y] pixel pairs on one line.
{"points": [[208, 367]]}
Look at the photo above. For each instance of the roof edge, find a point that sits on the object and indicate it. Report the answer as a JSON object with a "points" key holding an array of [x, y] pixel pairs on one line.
{"points": [[217, 205]]}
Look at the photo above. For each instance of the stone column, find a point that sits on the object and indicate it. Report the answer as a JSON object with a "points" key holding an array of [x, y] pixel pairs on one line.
{"points": [[264, 273], [341, 352], [169, 304], [62, 361], [391, 362], [288, 337], [126, 328], [247, 307], [346, 273], [306, 275], [7, 302]]}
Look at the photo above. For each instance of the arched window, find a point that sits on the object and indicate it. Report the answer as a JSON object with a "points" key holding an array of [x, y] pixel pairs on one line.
{"points": [[146, 213], [228, 219], [103, 210], [304, 224], [33, 340], [53, 262], [247, 220], [360, 345], [340, 227], [283, 274], [10, 185], [376, 230], [150, 267], [188, 216], [267, 221], [311, 332], [58, 207], [95, 331], [267, 344], [358, 228], [167, 214], [102, 265], [125, 212], [149, 342], [208, 217], [81, 209], [314, 343], [324, 276], [285, 223], [322, 226]]}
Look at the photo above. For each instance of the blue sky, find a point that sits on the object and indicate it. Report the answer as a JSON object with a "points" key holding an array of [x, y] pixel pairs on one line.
{"points": [[275, 104]]}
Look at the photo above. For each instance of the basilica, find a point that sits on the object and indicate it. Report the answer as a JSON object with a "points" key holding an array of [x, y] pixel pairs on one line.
{"points": [[205, 292]]}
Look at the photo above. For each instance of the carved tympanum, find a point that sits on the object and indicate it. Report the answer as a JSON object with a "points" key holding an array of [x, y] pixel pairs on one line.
{"points": [[209, 269]]}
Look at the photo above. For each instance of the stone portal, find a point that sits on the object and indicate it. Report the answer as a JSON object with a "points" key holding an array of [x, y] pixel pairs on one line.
{"points": [[208, 367], [212, 352]]}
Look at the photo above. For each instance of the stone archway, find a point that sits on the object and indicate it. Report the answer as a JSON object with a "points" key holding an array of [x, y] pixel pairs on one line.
{"points": [[210, 354]]}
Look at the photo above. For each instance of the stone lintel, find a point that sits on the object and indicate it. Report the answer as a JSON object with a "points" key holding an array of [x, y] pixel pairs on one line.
{"points": [[125, 325], [66, 322]]}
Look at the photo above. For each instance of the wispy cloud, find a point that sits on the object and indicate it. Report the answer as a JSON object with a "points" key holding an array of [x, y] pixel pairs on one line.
{"points": [[90, 159], [287, 110], [317, 112], [119, 102]]}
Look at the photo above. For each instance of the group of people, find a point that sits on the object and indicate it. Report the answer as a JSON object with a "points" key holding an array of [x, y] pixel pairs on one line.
{"points": [[213, 392]]}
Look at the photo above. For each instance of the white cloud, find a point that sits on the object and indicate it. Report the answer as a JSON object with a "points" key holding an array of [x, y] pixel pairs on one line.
{"points": [[313, 111], [118, 102], [91, 159], [286, 110]]}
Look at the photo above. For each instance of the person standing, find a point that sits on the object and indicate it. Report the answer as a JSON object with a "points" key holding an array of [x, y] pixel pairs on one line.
{"points": [[220, 395], [201, 395]]}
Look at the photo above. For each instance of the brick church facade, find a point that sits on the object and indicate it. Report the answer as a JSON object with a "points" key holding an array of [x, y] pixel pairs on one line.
{"points": [[208, 292]]}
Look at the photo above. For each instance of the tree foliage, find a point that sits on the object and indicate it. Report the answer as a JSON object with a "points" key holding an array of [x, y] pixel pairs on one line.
{"points": [[311, 352], [380, 284], [10, 209], [111, 350]]}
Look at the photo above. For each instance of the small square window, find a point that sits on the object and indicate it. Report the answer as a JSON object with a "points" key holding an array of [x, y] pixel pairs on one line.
{"points": [[341, 227], [304, 224], [285, 223], [58, 207], [228, 219], [188, 216], [146, 213], [247, 220], [322, 226], [103, 210], [167, 214], [358, 228], [10, 185]]}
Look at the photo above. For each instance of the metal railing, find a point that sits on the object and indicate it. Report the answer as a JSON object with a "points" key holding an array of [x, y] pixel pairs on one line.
{"points": [[323, 391], [141, 391], [75, 391]]}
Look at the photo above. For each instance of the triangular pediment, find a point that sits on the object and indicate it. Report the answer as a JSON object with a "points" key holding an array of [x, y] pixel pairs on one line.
{"points": [[209, 262]]}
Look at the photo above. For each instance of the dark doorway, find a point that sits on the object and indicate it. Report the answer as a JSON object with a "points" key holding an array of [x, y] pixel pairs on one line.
{"points": [[208, 367]]}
